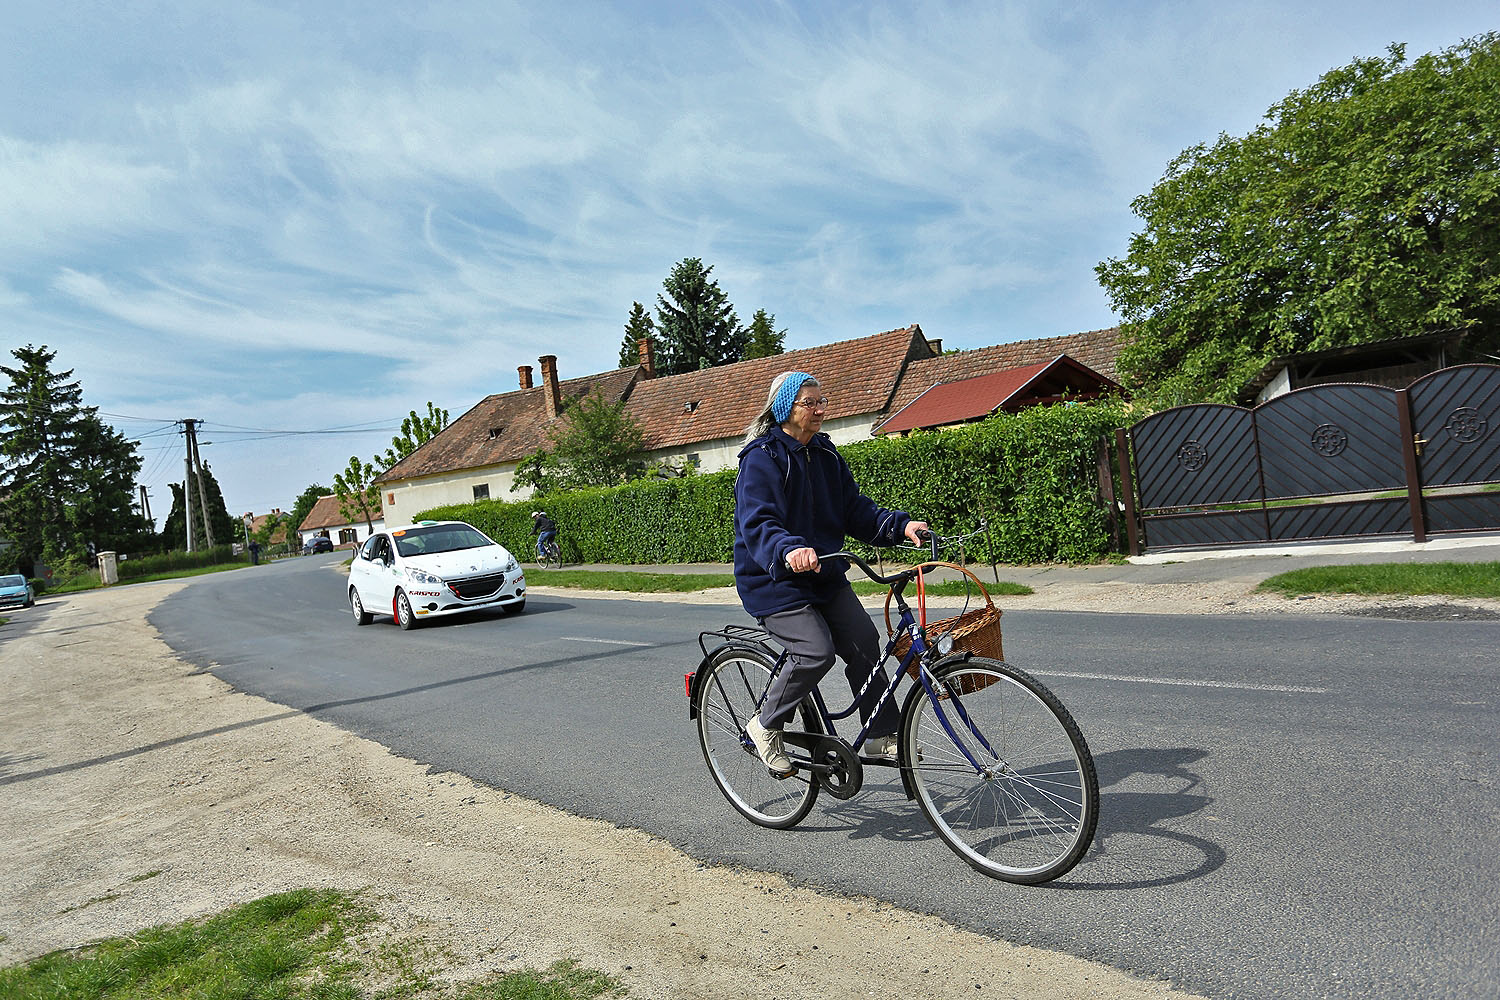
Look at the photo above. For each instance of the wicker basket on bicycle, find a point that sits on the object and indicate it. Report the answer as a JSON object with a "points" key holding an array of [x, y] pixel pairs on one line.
{"points": [[975, 631]]}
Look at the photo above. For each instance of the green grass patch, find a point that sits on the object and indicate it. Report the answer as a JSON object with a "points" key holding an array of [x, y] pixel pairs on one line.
{"points": [[290, 946], [1446, 579], [90, 581], [640, 583]]}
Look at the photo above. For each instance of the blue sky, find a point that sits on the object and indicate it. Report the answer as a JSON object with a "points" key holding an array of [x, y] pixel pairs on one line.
{"points": [[318, 216]]}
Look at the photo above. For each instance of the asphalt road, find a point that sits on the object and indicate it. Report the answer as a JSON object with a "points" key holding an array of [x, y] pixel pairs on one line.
{"points": [[1292, 806]]}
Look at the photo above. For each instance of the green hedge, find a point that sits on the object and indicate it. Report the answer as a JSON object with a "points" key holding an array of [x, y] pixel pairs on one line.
{"points": [[1032, 475], [131, 569]]}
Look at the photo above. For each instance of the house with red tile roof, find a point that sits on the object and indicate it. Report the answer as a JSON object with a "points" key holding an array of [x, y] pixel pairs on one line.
{"points": [[702, 416], [326, 518], [475, 456], [1007, 377]]}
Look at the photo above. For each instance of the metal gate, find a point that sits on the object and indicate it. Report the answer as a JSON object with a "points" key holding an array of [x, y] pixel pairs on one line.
{"points": [[1327, 461]]}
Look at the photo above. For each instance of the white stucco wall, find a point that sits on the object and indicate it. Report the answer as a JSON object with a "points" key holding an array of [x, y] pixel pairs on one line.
{"points": [[403, 501], [720, 453]]}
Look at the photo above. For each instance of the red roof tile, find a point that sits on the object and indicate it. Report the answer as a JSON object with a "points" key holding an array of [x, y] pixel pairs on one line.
{"points": [[1096, 349], [973, 398], [505, 427], [858, 376]]}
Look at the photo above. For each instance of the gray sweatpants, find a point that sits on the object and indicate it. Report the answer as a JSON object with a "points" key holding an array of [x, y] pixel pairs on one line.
{"points": [[814, 634]]}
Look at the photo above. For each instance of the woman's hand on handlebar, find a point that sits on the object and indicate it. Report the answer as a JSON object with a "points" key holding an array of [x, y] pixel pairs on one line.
{"points": [[803, 560], [918, 532]]}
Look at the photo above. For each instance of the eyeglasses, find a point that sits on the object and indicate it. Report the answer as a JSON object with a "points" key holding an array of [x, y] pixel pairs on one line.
{"points": [[821, 403]]}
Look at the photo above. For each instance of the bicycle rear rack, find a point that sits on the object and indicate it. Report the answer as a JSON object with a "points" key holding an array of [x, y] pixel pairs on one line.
{"points": [[739, 634]]}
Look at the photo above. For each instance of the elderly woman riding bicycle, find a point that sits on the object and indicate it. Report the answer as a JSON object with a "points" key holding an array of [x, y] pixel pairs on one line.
{"points": [[794, 498]]}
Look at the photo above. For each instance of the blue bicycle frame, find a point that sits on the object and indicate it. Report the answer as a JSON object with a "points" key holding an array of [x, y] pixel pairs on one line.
{"points": [[916, 653]]}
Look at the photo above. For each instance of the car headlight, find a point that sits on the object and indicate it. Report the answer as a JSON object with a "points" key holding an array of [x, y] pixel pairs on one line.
{"points": [[422, 576], [511, 565]]}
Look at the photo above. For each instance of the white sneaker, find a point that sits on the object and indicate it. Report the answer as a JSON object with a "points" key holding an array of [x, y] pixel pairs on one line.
{"points": [[768, 743], [883, 747]]}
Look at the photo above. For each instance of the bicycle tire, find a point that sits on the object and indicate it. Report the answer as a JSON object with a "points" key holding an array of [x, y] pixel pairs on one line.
{"points": [[731, 686], [1030, 816]]}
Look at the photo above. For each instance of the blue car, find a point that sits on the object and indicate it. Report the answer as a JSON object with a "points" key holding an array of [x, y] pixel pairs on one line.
{"points": [[16, 590]]}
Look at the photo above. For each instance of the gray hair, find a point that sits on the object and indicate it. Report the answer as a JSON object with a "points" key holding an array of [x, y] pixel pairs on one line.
{"points": [[765, 419]]}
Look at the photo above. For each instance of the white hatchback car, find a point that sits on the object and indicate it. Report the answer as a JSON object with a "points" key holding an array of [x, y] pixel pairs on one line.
{"points": [[430, 569]]}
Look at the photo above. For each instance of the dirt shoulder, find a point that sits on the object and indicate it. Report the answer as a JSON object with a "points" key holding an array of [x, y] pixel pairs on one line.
{"points": [[136, 791]]}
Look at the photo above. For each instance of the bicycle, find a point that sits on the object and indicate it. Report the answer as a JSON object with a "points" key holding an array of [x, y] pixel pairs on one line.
{"points": [[549, 554], [994, 760]]}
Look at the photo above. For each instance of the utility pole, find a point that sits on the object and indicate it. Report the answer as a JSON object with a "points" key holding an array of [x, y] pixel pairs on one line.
{"points": [[146, 505], [192, 433], [187, 484]]}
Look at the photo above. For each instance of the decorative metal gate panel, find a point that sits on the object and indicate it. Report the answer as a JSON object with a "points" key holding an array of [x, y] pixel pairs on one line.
{"points": [[1195, 456], [1455, 416], [1321, 462]]}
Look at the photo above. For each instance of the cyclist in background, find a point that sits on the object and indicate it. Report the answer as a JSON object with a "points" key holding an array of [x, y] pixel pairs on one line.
{"points": [[544, 528], [794, 498]]}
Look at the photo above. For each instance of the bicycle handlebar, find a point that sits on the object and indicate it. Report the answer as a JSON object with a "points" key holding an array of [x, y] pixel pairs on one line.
{"points": [[933, 539]]}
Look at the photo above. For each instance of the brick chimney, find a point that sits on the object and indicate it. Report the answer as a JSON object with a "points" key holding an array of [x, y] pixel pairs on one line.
{"points": [[525, 371], [935, 345], [648, 355], [553, 394]]}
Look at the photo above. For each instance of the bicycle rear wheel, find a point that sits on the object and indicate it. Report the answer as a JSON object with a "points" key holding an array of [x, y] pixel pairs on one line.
{"points": [[552, 556], [730, 689], [1028, 813]]}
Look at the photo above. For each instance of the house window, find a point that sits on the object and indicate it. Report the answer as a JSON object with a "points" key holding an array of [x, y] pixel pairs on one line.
{"points": [[692, 459], [390, 499], [496, 432], [482, 491], [691, 406], [347, 535]]}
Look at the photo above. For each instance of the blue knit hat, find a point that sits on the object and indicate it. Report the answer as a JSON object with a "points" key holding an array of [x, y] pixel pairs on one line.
{"points": [[781, 406]]}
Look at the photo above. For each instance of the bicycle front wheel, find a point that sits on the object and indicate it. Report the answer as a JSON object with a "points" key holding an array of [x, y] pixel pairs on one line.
{"points": [[731, 688], [1027, 812]]}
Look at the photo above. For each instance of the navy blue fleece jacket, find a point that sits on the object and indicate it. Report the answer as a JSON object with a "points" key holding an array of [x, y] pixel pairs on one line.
{"points": [[789, 496]]}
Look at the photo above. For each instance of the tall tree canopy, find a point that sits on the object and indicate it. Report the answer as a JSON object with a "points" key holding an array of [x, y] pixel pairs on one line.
{"points": [[764, 339], [1364, 207], [306, 500], [66, 479], [359, 497], [225, 528], [639, 325], [416, 430], [695, 321]]}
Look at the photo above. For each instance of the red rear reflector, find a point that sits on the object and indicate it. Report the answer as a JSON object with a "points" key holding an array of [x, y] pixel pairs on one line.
{"points": [[687, 683]]}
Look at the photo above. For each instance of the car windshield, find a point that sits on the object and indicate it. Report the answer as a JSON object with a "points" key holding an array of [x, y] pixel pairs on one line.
{"points": [[12, 581], [429, 539]]}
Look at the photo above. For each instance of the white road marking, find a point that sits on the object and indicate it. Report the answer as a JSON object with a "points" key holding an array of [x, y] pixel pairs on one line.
{"points": [[1290, 688], [611, 642]]}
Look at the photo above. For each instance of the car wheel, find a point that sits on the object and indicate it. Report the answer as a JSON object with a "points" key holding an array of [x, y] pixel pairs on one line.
{"points": [[516, 608], [405, 617], [361, 616]]}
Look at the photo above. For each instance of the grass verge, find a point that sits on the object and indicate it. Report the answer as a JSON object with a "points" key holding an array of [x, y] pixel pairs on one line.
{"points": [[290, 946], [1445, 579], [90, 581]]}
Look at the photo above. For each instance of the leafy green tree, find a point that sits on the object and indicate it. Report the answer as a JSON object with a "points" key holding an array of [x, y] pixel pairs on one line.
{"points": [[103, 506], [225, 528], [597, 444], [416, 430], [39, 415], [306, 500], [696, 322], [637, 327], [359, 496], [1363, 208], [765, 340]]}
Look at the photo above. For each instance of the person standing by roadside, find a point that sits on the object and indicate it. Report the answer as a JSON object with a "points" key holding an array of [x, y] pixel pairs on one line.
{"points": [[795, 497]]}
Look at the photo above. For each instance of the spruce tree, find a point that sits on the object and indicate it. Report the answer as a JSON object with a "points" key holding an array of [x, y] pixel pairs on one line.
{"points": [[637, 327], [696, 321]]}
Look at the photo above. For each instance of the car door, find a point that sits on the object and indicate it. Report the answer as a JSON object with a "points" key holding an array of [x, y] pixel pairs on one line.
{"points": [[381, 573]]}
